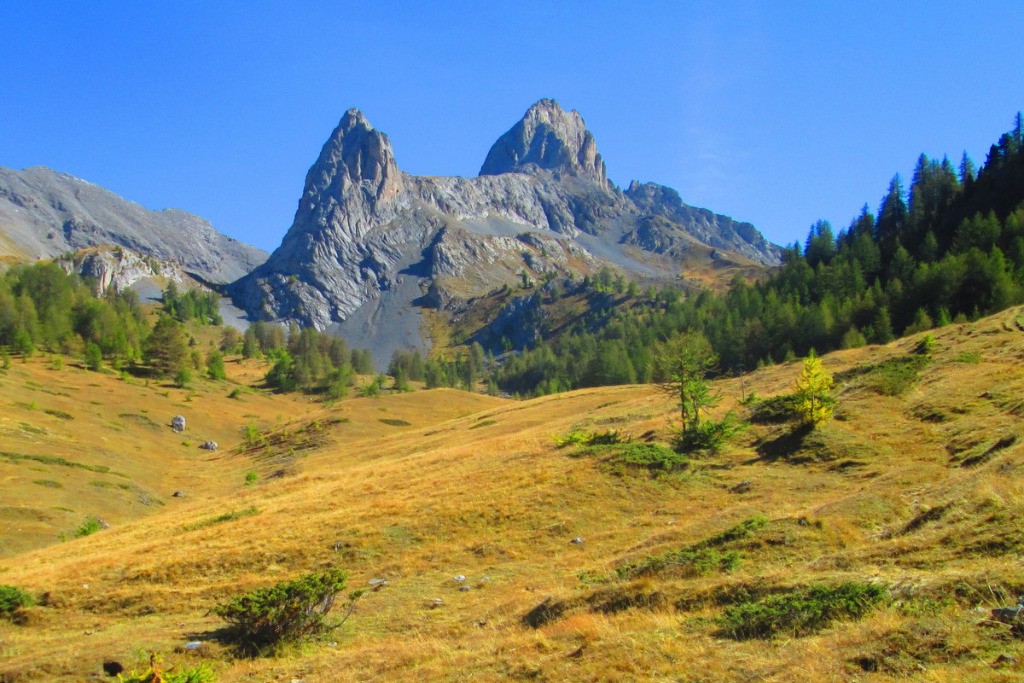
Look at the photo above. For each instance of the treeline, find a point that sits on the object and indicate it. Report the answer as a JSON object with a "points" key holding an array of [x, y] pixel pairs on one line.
{"points": [[194, 304], [951, 248], [44, 309], [464, 371], [302, 359]]}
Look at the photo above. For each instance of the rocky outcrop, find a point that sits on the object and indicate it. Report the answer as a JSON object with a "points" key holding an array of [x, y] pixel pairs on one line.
{"points": [[44, 214], [120, 268], [369, 242]]}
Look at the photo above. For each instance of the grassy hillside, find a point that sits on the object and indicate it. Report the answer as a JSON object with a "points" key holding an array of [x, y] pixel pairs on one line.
{"points": [[578, 565]]}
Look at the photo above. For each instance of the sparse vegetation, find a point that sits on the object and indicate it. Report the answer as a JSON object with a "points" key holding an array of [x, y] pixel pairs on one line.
{"points": [[251, 435], [651, 457], [155, 673], [48, 460], [221, 518], [698, 559]]}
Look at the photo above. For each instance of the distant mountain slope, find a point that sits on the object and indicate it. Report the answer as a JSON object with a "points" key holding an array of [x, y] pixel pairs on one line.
{"points": [[368, 241], [44, 213]]}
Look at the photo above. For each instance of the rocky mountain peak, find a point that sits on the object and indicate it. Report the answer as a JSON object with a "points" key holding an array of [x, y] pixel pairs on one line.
{"points": [[547, 137], [355, 160]]}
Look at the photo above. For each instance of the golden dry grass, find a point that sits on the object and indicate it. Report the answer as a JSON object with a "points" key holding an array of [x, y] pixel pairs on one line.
{"points": [[421, 487]]}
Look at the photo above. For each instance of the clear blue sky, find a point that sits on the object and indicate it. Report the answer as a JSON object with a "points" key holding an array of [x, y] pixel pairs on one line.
{"points": [[778, 113]]}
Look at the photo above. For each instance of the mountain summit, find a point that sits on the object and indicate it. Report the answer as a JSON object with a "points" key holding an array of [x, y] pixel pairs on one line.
{"points": [[371, 246], [547, 137], [356, 164]]}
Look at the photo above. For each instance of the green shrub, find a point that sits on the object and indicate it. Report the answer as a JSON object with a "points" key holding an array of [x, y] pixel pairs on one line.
{"points": [[735, 533], [650, 456], [971, 357], [235, 393], [90, 526], [225, 517], [700, 558], [251, 477], [252, 435], [579, 437], [12, 599], [802, 612], [896, 375], [708, 435], [154, 673], [926, 345], [182, 378], [286, 612], [689, 561], [93, 357]]}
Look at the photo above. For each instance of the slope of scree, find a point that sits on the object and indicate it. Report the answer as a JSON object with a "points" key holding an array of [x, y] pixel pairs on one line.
{"points": [[914, 486]]}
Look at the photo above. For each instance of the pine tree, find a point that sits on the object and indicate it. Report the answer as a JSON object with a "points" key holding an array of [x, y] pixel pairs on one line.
{"points": [[166, 348]]}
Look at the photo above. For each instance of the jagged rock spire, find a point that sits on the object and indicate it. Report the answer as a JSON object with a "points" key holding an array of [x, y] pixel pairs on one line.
{"points": [[355, 156], [550, 138]]}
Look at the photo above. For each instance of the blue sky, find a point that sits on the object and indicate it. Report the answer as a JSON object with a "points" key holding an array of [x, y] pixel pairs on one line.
{"points": [[778, 113]]}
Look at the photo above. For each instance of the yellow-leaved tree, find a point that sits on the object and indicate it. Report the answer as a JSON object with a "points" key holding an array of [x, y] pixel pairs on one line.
{"points": [[814, 391]]}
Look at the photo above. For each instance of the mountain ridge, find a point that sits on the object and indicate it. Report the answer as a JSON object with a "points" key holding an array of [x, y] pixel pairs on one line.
{"points": [[45, 213], [367, 234]]}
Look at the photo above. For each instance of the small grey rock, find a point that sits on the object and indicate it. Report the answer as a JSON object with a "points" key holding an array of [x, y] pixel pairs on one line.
{"points": [[577, 541], [459, 578], [208, 445]]}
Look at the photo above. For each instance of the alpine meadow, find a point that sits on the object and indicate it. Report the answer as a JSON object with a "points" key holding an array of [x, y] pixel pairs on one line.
{"points": [[523, 425]]}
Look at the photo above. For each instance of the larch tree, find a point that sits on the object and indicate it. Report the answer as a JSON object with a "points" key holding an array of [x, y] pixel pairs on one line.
{"points": [[814, 392]]}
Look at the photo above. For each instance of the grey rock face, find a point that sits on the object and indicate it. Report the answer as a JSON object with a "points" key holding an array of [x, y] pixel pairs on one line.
{"points": [[44, 214], [372, 240], [550, 138]]}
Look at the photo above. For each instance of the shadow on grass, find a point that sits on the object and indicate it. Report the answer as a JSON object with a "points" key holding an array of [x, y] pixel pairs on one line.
{"points": [[786, 445], [229, 638]]}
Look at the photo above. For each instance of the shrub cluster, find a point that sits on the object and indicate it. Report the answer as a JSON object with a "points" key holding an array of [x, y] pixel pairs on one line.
{"points": [[286, 612], [802, 612], [700, 558], [12, 599]]}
